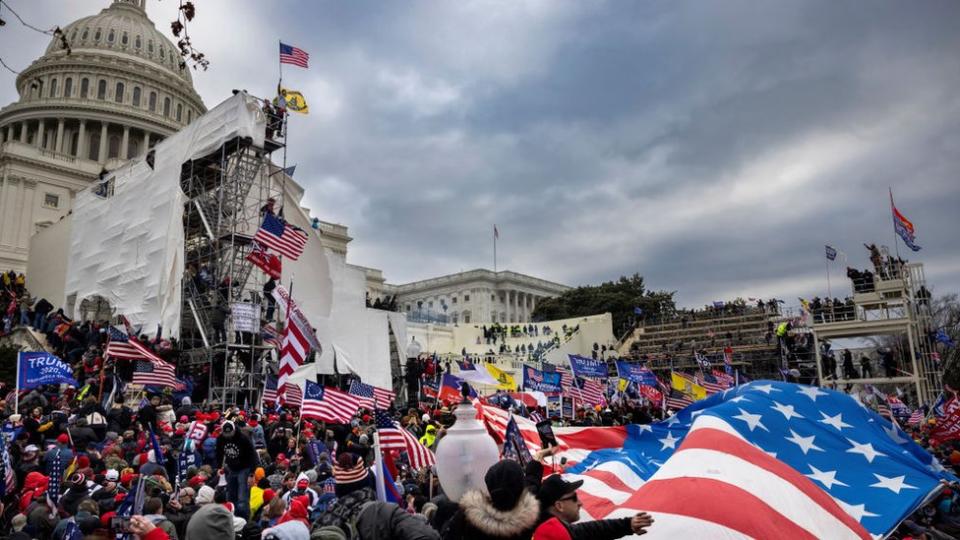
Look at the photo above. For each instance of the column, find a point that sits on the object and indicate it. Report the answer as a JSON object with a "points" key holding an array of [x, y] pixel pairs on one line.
{"points": [[520, 307], [23, 131], [146, 142], [125, 143], [10, 131], [24, 232], [59, 147], [4, 184], [38, 141], [103, 143], [82, 144]]}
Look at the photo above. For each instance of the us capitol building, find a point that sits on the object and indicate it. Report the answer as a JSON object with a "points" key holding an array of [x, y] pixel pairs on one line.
{"points": [[119, 91]]}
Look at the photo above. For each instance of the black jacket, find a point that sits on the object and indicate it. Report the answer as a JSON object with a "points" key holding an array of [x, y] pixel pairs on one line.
{"points": [[386, 521], [236, 452]]}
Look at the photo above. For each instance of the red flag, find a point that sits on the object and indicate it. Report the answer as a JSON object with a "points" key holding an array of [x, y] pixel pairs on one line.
{"points": [[948, 427], [268, 262]]}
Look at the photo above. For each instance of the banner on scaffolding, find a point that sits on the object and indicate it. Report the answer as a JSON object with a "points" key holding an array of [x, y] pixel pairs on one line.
{"points": [[246, 317], [296, 316]]}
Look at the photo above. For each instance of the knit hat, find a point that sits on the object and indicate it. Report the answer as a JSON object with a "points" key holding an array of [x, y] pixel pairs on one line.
{"points": [[268, 495], [505, 484], [348, 468], [112, 475], [63, 438], [211, 521], [205, 495]]}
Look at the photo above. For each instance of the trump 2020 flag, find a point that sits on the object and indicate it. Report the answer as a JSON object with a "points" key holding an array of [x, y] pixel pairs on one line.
{"points": [[871, 468], [38, 368]]}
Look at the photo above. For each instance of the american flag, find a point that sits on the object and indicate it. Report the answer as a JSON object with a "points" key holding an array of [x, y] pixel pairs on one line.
{"points": [[9, 484], [876, 474], [328, 404], [753, 495], [724, 378], [394, 437], [370, 396], [915, 418], [293, 396], [56, 477], [293, 351], [269, 335], [270, 389], [281, 237], [157, 373], [125, 347], [292, 55], [710, 383], [586, 390], [677, 402]]}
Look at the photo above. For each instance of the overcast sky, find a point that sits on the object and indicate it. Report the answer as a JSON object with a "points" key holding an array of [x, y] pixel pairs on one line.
{"points": [[713, 147]]}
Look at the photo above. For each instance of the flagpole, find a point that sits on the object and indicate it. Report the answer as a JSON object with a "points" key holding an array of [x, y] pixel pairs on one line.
{"points": [[379, 467], [16, 395], [494, 248], [826, 265], [896, 245]]}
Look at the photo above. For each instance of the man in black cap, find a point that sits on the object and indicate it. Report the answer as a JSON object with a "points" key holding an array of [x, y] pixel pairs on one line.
{"points": [[560, 510]]}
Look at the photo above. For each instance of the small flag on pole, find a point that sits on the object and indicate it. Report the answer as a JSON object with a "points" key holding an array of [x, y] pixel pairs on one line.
{"points": [[281, 237], [831, 253], [295, 101], [292, 55], [903, 226], [496, 232]]}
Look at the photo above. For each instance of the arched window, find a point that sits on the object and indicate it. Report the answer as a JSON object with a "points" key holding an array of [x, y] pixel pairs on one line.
{"points": [[124, 39], [111, 36], [114, 149], [119, 95], [102, 89], [153, 102], [150, 46], [136, 96], [93, 153], [96, 35], [73, 35], [166, 107], [84, 87], [68, 87], [189, 116], [179, 112], [134, 149], [86, 34], [162, 49], [53, 88], [137, 42]]}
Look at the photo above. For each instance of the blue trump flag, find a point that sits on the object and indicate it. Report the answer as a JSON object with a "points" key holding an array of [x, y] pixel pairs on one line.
{"points": [[38, 368], [874, 471], [540, 381], [636, 373], [588, 367]]}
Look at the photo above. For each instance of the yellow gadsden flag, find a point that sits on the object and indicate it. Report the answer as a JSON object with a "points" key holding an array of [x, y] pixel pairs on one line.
{"points": [[504, 380], [295, 101], [687, 386]]}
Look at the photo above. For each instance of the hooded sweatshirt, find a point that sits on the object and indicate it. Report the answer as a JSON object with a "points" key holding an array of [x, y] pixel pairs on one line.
{"points": [[211, 522]]}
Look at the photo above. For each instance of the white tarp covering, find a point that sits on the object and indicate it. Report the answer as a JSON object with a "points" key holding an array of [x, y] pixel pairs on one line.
{"points": [[359, 335], [128, 248]]}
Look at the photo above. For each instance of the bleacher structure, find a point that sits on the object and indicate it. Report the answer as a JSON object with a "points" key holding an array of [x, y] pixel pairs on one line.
{"points": [[745, 331], [891, 305], [225, 191]]}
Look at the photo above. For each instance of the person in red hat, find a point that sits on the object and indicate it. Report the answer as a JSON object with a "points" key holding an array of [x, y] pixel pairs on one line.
{"points": [[560, 511]]}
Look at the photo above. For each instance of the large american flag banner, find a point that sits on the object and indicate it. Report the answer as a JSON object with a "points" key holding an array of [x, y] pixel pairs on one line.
{"points": [[270, 389], [328, 404], [292, 55], [394, 437], [370, 396], [281, 237], [871, 468], [751, 493]]}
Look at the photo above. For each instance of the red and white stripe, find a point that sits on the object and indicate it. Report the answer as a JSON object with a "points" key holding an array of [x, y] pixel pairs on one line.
{"points": [[916, 417], [293, 350], [397, 438], [336, 407], [591, 393], [752, 494], [575, 442], [131, 350], [712, 388], [383, 397], [677, 403], [293, 396]]}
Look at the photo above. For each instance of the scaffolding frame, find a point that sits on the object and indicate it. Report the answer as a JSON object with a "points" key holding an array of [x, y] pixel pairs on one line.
{"points": [[897, 305], [225, 191]]}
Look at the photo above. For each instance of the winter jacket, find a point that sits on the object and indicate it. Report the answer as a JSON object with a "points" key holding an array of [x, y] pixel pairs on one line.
{"points": [[386, 521], [236, 452], [477, 519], [604, 529]]}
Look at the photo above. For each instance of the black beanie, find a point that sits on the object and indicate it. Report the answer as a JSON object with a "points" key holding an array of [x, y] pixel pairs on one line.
{"points": [[505, 484]]}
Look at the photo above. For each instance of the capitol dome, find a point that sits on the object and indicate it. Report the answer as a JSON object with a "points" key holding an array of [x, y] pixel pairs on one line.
{"points": [[119, 90]]}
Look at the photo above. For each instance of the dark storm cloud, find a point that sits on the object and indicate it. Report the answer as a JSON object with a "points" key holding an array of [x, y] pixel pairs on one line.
{"points": [[712, 147]]}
